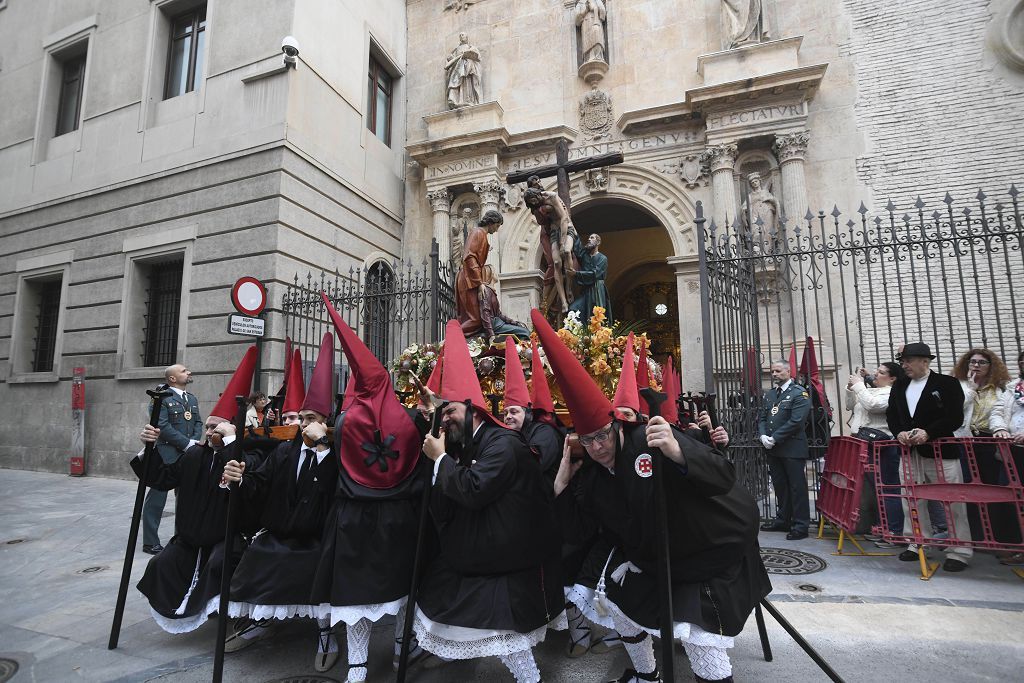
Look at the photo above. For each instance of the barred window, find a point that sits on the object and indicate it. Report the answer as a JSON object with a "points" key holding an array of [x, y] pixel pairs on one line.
{"points": [[380, 293], [163, 306], [46, 324], [185, 61]]}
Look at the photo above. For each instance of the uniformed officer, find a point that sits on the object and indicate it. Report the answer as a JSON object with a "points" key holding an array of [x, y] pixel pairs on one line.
{"points": [[180, 428], [783, 433]]}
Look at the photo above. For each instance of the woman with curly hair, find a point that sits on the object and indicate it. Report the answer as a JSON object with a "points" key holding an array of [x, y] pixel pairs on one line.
{"points": [[984, 378], [1008, 422]]}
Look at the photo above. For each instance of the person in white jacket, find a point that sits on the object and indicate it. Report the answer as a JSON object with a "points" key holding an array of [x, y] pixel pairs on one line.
{"points": [[869, 405]]}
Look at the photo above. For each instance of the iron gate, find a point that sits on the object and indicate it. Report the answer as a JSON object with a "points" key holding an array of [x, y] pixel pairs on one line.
{"points": [[857, 286], [390, 305]]}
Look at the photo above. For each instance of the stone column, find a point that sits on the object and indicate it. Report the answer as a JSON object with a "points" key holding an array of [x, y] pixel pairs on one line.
{"points": [[691, 341], [721, 159], [790, 150], [489, 192], [440, 205]]}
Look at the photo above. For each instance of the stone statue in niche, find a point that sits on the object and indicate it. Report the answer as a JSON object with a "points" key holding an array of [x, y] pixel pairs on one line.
{"points": [[590, 16], [463, 70], [760, 204], [461, 225], [745, 22]]}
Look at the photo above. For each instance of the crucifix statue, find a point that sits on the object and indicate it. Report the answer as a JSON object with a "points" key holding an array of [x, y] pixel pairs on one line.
{"points": [[551, 210]]}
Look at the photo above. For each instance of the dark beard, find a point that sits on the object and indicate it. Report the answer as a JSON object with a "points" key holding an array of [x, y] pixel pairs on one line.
{"points": [[453, 433]]}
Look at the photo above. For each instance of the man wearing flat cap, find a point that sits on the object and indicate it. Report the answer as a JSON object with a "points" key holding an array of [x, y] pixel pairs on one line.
{"points": [[924, 406]]}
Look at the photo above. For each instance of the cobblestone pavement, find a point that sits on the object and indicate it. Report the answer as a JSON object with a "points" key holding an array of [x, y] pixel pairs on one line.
{"points": [[62, 545]]}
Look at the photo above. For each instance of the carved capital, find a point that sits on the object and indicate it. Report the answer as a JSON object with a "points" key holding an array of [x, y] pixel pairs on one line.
{"points": [[489, 191], [440, 200], [791, 147], [720, 157]]}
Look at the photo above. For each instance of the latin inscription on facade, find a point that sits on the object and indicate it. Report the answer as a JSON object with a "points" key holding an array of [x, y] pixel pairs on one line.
{"points": [[647, 142], [754, 116], [460, 166]]}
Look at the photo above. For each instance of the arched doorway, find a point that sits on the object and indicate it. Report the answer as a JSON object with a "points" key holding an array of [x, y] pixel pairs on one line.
{"points": [[641, 284]]}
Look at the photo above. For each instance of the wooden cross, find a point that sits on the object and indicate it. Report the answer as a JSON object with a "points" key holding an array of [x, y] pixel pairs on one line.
{"points": [[563, 167]]}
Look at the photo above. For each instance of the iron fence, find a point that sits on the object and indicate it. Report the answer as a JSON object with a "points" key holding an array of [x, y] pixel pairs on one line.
{"points": [[858, 286], [390, 305]]}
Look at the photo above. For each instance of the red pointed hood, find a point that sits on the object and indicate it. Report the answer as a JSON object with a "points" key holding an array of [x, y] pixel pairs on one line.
{"points": [[809, 370], [239, 385], [793, 369], [671, 388], [626, 395], [752, 373], [588, 406], [643, 376], [434, 381], [379, 444], [540, 392], [459, 381], [320, 393], [516, 393], [295, 387]]}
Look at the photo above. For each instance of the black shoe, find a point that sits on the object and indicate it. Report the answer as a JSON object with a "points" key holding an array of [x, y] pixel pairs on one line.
{"points": [[630, 676], [908, 556], [951, 565], [774, 526], [152, 549], [796, 535]]}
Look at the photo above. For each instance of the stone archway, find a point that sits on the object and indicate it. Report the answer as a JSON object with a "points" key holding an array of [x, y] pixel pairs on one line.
{"points": [[672, 207], [674, 249]]}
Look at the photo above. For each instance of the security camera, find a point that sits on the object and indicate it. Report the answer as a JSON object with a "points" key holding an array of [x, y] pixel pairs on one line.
{"points": [[290, 48]]}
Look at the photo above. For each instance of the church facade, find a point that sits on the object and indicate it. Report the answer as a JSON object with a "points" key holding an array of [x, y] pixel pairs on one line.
{"points": [[154, 151]]}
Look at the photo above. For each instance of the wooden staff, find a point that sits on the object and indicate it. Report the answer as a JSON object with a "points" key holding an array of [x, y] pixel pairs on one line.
{"points": [[230, 531], [417, 563], [654, 400], [149, 454]]}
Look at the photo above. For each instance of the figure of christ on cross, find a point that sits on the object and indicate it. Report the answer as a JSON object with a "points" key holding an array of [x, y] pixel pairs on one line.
{"points": [[551, 212]]}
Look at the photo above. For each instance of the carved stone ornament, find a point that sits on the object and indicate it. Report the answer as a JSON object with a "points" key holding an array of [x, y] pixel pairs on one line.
{"points": [[692, 170], [720, 157], [791, 147], [440, 200], [458, 5], [512, 198], [596, 115], [489, 191], [596, 180]]}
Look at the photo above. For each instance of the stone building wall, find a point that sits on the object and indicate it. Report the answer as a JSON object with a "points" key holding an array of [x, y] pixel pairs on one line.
{"points": [[263, 171]]}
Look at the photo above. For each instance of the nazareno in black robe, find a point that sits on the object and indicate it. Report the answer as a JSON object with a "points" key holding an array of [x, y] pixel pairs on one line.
{"points": [[182, 583], [274, 578], [717, 573], [369, 544], [499, 563], [546, 441]]}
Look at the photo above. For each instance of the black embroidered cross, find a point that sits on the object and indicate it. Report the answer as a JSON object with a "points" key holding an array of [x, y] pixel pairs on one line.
{"points": [[379, 450]]}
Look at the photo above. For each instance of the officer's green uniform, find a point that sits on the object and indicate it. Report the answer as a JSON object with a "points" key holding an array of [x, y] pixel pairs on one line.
{"points": [[784, 418], [179, 423]]}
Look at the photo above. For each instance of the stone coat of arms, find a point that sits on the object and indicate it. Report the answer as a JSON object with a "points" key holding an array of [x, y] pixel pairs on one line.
{"points": [[596, 114]]}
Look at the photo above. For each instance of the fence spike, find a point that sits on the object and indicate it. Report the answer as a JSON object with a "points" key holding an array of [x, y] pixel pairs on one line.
{"points": [[863, 209], [808, 216], [890, 207], [980, 196], [948, 199], [919, 204], [1013, 190], [835, 211]]}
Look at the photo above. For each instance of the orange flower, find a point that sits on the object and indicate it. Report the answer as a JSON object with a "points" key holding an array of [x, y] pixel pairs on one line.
{"points": [[567, 337], [600, 368]]}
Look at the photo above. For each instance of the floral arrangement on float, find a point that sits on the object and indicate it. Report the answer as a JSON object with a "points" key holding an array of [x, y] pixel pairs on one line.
{"points": [[598, 346]]}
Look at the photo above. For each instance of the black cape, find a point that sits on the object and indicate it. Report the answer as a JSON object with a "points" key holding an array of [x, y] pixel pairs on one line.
{"points": [[499, 561], [717, 574], [279, 566], [196, 550], [369, 540]]}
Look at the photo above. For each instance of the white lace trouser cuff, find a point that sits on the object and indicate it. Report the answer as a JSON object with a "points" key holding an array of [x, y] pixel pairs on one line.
{"points": [[710, 663], [523, 666]]}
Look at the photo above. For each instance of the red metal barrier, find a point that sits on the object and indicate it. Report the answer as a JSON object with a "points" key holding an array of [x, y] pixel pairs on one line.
{"points": [[983, 472], [842, 478]]}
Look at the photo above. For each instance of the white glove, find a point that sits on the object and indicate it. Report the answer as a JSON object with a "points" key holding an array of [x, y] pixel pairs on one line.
{"points": [[767, 441]]}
